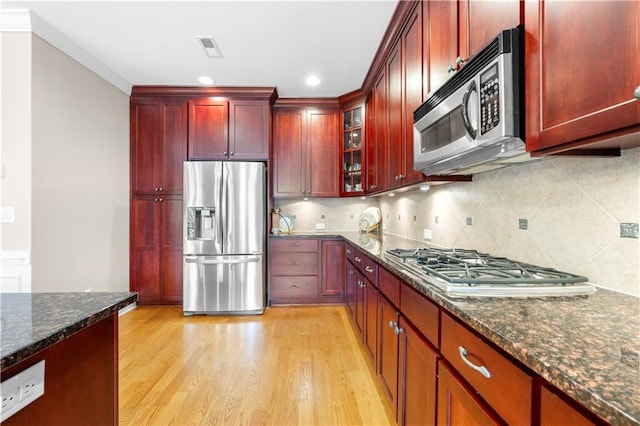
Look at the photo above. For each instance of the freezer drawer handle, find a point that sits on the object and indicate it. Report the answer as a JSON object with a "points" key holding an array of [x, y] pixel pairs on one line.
{"points": [[480, 369], [194, 259]]}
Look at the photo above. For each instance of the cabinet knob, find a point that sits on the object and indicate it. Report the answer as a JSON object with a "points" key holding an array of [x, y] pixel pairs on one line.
{"points": [[636, 93], [392, 324], [157, 200], [398, 330], [156, 189], [450, 69], [351, 272], [460, 60], [231, 153], [161, 189], [224, 152]]}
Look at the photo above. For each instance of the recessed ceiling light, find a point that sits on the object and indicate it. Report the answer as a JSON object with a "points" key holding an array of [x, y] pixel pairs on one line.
{"points": [[312, 81], [207, 81]]}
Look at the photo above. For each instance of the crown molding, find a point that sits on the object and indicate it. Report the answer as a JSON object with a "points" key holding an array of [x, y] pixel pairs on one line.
{"points": [[14, 20]]}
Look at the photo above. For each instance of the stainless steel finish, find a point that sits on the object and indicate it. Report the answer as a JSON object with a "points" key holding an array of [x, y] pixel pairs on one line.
{"points": [[224, 237], [636, 93], [223, 285], [480, 369]]}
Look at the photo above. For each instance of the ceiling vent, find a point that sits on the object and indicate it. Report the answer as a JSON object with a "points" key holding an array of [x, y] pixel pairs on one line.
{"points": [[210, 47]]}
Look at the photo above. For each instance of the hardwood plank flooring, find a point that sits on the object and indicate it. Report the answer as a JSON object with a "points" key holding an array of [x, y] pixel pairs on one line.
{"points": [[290, 366]]}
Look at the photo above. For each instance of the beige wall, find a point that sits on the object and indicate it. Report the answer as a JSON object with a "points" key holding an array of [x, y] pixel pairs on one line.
{"points": [[574, 207], [15, 142], [80, 184]]}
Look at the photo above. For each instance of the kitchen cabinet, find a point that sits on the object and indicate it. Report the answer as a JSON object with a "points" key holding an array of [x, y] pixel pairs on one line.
{"points": [[554, 410], [229, 129], [455, 31], [387, 368], [416, 378], [158, 144], [376, 147], [332, 281], [306, 270], [156, 249], [353, 142], [566, 111], [351, 283], [458, 405], [306, 154]]}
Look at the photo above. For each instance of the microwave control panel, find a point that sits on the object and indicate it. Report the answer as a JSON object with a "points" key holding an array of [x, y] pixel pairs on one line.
{"points": [[489, 99]]}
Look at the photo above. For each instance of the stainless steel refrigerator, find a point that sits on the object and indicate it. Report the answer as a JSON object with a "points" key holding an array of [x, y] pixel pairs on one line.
{"points": [[224, 237]]}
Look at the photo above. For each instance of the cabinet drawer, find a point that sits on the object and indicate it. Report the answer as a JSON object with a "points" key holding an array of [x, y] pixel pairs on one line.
{"points": [[293, 244], [370, 270], [508, 389], [349, 252], [285, 263], [290, 287], [422, 313], [389, 285], [358, 260]]}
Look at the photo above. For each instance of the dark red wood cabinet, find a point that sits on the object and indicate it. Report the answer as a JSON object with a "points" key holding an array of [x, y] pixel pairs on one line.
{"points": [[156, 249], [305, 152], [158, 145], [229, 129], [582, 68], [388, 343]]}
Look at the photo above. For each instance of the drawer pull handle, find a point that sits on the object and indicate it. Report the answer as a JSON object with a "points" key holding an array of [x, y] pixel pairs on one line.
{"points": [[368, 269], [482, 369], [293, 286], [348, 251], [293, 263], [357, 259], [293, 245]]}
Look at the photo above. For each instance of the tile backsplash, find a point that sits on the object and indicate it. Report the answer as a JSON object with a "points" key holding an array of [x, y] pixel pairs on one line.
{"points": [[576, 214]]}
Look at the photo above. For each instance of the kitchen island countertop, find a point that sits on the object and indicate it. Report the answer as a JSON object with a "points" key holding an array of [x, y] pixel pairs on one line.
{"points": [[588, 347], [32, 322]]}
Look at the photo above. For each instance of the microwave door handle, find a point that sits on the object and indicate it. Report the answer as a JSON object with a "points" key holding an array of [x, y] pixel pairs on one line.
{"points": [[465, 110]]}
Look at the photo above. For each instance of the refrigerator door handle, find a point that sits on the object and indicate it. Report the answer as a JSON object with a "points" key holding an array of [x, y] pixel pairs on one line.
{"points": [[215, 261]]}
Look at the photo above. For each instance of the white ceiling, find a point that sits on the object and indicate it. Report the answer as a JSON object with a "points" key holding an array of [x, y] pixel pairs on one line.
{"points": [[263, 43]]}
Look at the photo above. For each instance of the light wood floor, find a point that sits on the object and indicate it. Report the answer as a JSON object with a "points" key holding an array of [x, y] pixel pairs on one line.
{"points": [[290, 366]]}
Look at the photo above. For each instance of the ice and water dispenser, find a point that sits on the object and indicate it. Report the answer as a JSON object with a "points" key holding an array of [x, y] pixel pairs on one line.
{"points": [[201, 223]]}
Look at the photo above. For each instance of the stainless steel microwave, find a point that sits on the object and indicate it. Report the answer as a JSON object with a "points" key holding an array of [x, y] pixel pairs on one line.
{"points": [[477, 115]]}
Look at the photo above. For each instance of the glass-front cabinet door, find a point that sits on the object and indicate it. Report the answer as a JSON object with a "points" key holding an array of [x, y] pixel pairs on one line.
{"points": [[352, 151]]}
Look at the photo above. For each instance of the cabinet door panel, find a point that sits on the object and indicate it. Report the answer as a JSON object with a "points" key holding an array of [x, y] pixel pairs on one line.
{"points": [[412, 85], [377, 174], [288, 153], [208, 129], [371, 320], [174, 146], [555, 411], [441, 38], [323, 154], [350, 288], [563, 103], [293, 263], [388, 350], [145, 134], [395, 141], [145, 254], [481, 21], [249, 129], [458, 406], [360, 303], [171, 250], [332, 268], [417, 379]]}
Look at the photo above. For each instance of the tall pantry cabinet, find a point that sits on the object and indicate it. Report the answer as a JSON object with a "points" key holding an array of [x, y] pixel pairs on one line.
{"points": [[170, 125], [158, 148]]}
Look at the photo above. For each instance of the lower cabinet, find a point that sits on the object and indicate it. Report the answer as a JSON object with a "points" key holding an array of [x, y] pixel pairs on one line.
{"points": [[388, 331], [416, 378], [306, 270], [457, 405], [156, 249], [555, 410]]}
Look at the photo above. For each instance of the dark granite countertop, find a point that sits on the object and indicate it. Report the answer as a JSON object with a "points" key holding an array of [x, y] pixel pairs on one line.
{"points": [[31, 322], [589, 347]]}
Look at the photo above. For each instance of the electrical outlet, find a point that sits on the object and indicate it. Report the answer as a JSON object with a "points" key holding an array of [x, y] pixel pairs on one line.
{"points": [[320, 226], [21, 390], [427, 234]]}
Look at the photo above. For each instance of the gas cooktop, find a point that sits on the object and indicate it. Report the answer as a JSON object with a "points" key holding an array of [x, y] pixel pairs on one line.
{"points": [[469, 273]]}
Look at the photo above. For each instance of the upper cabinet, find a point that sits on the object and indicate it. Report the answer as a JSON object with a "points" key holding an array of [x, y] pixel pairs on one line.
{"points": [[353, 143], [222, 129], [158, 145], [582, 69], [306, 155]]}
